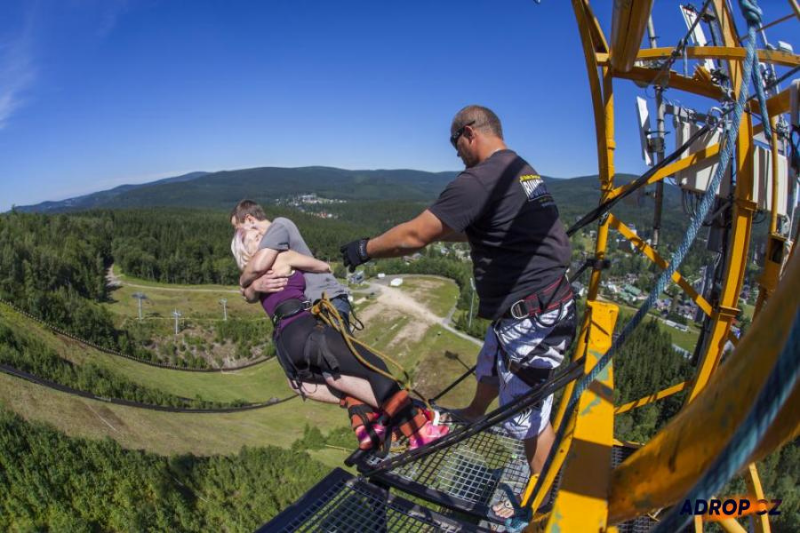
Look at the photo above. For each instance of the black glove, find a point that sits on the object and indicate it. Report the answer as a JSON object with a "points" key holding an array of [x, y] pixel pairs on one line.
{"points": [[354, 254]]}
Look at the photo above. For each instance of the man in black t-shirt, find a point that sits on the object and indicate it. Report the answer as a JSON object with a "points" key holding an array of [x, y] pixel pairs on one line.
{"points": [[520, 252]]}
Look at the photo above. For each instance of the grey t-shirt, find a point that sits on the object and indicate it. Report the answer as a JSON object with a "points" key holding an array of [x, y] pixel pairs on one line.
{"points": [[282, 235]]}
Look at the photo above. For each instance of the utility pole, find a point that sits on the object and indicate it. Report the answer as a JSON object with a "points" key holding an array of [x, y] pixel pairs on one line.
{"points": [[177, 314], [658, 142], [224, 303], [471, 301], [140, 296]]}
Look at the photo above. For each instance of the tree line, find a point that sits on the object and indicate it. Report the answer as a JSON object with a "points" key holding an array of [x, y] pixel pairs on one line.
{"points": [[51, 482]]}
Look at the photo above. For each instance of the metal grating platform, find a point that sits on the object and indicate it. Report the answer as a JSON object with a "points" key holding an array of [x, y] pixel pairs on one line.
{"points": [[341, 503], [465, 477]]}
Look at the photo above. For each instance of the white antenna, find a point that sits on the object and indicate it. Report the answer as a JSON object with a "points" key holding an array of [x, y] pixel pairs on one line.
{"points": [[177, 314], [140, 296], [224, 303], [644, 129], [698, 35]]}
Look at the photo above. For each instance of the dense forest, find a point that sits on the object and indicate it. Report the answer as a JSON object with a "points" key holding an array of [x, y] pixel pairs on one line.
{"points": [[50, 482]]}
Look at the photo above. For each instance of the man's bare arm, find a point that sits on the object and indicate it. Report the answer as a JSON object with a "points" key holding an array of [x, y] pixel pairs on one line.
{"points": [[409, 236], [258, 265]]}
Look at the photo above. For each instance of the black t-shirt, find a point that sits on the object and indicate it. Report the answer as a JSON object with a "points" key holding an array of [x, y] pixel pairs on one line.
{"points": [[519, 245]]}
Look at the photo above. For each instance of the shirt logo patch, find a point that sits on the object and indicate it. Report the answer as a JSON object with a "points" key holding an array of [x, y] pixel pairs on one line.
{"points": [[533, 185]]}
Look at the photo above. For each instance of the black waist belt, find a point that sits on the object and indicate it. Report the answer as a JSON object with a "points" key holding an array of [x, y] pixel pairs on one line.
{"points": [[533, 377], [551, 297], [289, 308]]}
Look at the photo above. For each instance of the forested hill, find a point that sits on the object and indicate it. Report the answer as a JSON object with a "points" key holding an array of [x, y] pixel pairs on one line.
{"points": [[102, 198], [221, 190]]}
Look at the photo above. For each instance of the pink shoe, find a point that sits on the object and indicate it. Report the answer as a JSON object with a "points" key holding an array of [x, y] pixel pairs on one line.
{"points": [[365, 441], [427, 434]]}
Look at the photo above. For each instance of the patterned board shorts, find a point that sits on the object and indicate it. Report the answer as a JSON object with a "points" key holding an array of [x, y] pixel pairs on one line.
{"points": [[542, 342]]}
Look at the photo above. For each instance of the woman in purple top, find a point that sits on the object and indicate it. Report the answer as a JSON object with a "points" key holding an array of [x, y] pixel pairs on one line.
{"points": [[316, 358]]}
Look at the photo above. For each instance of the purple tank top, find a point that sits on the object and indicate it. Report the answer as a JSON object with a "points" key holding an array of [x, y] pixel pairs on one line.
{"points": [[294, 290]]}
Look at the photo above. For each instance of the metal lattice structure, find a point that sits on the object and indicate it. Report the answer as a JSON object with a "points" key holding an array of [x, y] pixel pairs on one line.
{"points": [[341, 503]]}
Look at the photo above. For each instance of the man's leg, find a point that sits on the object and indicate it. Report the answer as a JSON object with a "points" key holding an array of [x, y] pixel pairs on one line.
{"points": [[485, 394], [538, 448], [487, 388]]}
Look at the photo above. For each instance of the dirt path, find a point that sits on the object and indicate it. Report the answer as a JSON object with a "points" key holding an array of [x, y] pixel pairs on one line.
{"points": [[393, 298]]}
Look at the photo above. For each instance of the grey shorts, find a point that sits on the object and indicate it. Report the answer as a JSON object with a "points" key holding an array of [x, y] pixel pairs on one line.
{"points": [[541, 346]]}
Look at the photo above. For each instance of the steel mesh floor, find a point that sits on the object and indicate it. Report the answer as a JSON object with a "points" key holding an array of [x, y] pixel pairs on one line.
{"points": [[466, 476], [341, 503]]}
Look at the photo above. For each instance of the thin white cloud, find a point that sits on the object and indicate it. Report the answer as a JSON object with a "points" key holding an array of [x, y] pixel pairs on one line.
{"points": [[17, 70]]}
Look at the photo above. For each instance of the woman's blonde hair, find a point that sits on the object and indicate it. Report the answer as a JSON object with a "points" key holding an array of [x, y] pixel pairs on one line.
{"points": [[239, 250]]}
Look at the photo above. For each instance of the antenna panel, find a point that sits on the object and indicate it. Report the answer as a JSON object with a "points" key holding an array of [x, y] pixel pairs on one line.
{"points": [[644, 128], [698, 35]]}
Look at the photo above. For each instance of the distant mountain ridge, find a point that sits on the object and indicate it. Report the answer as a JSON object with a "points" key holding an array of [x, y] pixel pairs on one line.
{"points": [[100, 198], [221, 190]]}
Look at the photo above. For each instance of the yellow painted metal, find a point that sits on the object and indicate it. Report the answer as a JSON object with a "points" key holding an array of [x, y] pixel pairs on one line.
{"points": [[673, 80], [795, 8], [755, 489], [661, 472], [582, 504], [775, 105], [669, 391], [628, 24], [723, 53], [741, 225], [682, 164], [730, 525], [654, 256]]}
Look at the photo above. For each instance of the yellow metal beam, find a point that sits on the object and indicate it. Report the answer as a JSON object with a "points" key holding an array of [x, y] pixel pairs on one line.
{"points": [[754, 489], [776, 105], [628, 24], [673, 80], [662, 472], [722, 52], [682, 164], [741, 224], [581, 503], [675, 389], [654, 256]]}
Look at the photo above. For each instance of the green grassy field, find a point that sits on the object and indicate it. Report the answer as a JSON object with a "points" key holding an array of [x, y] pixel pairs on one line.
{"points": [[256, 384], [196, 303], [432, 354], [167, 433]]}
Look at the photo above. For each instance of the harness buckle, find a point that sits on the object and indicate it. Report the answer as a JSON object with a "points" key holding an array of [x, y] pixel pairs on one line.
{"points": [[518, 310]]}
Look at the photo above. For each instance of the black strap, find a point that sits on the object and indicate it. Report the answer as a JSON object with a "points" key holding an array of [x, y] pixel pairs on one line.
{"points": [[552, 297], [289, 308]]}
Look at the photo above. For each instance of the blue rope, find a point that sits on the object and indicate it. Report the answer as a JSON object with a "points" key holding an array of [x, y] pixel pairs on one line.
{"points": [[772, 397], [753, 16]]}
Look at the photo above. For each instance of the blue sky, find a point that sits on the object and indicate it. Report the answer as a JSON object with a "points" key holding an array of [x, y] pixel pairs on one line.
{"points": [[97, 93]]}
